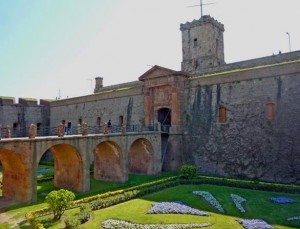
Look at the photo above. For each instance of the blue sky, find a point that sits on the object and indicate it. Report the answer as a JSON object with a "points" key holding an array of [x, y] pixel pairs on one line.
{"points": [[57, 47]]}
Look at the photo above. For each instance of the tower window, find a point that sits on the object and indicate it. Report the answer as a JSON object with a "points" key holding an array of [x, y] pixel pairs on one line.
{"points": [[121, 120], [195, 42], [222, 114], [270, 111], [98, 121], [38, 125]]}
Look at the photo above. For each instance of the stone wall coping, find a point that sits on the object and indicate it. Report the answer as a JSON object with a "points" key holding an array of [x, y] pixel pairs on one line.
{"points": [[257, 62], [69, 137], [283, 68], [29, 102], [115, 91]]}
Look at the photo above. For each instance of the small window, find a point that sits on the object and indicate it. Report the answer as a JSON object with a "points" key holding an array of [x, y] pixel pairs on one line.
{"points": [[80, 121], [98, 122], [15, 125], [270, 111], [222, 114], [195, 42], [121, 119], [38, 125]]}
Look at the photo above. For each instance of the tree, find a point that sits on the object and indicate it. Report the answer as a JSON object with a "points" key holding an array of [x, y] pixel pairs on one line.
{"points": [[59, 201]]}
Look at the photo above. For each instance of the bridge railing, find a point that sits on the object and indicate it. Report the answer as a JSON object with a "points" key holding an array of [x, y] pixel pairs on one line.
{"points": [[22, 132]]}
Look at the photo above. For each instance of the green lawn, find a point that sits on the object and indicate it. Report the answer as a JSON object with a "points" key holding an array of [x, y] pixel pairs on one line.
{"points": [[258, 206]]}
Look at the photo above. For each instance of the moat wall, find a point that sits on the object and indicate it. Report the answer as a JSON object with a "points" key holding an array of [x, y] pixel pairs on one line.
{"points": [[253, 141]]}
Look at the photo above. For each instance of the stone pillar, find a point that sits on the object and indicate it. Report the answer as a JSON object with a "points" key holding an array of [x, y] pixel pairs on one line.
{"points": [[105, 131], [123, 129], [84, 129], [7, 132], [32, 131], [147, 110], [78, 128], [61, 130]]}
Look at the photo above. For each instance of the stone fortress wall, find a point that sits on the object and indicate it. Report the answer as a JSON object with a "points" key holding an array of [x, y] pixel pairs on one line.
{"points": [[257, 137], [122, 104], [19, 116]]}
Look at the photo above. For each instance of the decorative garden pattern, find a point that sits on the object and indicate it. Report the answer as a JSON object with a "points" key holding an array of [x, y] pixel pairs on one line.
{"points": [[255, 224], [174, 207], [282, 200], [118, 224], [295, 218], [210, 199], [238, 201]]}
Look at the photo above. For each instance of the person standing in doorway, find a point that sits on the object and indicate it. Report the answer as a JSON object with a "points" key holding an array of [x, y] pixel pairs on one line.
{"points": [[109, 125]]}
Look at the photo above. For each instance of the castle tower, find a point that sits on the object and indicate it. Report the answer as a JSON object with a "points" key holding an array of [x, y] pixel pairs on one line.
{"points": [[202, 44]]}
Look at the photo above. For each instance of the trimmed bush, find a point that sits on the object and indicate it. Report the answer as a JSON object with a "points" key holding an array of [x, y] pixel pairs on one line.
{"points": [[72, 223], [188, 171], [84, 213]]}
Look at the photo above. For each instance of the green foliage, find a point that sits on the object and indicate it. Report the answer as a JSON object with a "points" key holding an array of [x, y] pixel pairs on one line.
{"points": [[72, 223], [84, 213], [35, 225], [188, 171], [59, 201]]}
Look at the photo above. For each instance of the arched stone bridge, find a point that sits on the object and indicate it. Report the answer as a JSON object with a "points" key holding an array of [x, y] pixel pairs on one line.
{"points": [[114, 156]]}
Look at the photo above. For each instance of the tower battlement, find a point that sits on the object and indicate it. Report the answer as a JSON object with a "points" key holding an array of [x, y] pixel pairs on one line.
{"points": [[204, 19]]}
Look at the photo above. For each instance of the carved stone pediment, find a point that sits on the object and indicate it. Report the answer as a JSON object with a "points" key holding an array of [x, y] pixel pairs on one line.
{"points": [[161, 72]]}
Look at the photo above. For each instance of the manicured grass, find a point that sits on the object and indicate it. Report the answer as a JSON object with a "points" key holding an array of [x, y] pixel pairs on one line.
{"points": [[258, 206]]}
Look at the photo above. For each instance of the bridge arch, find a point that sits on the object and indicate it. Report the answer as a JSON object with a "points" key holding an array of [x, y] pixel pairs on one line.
{"points": [[15, 177], [109, 163], [68, 167], [140, 157]]}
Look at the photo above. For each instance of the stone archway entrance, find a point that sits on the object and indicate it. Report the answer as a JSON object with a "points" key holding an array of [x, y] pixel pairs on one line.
{"points": [[68, 167], [15, 177], [140, 157], [164, 117], [109, 162]]}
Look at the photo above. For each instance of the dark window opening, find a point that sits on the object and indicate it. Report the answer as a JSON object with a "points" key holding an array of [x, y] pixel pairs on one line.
{"points": [[80, 121], [15, 125], [164, 117], [98, 122], [121, 120], [38, 126], [195, 42]]}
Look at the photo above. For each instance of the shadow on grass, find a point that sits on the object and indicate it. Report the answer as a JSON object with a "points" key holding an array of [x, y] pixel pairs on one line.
{"points": [[96, 187]]}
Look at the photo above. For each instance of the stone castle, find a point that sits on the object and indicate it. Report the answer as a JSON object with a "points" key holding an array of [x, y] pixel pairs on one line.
{"points": [[239, 119]]}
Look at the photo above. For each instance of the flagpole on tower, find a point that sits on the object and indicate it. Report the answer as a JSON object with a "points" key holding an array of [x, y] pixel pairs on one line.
{"points": [[201, 8]]}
